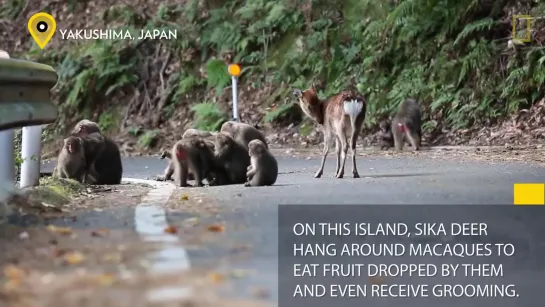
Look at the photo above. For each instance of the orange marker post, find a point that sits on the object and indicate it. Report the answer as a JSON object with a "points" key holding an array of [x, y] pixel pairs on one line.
{"points": [[234, 70]]}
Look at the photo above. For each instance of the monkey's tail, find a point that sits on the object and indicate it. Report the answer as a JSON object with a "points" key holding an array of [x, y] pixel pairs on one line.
{"points": [[353, 108]]}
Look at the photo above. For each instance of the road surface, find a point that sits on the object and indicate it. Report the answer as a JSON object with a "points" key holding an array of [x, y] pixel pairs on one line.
{"points": [[385, 180]]}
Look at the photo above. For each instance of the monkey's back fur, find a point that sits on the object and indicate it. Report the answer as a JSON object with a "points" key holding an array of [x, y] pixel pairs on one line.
{"points": [[407, 122], [108, 164], [264, 167], [243, 133], [232, 157]]}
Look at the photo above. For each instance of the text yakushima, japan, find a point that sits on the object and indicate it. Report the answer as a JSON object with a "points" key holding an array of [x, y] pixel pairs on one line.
{"points": [[118, 34], [373, 262]]}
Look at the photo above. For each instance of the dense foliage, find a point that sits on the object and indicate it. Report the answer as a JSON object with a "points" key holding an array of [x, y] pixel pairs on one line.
{"points": [[451, 54]]}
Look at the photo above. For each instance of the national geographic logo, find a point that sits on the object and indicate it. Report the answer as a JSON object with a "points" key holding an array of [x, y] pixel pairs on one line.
{"points": [[520, 33]]}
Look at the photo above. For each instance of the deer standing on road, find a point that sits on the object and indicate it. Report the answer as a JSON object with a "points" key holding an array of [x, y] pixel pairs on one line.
{"points": [[342, 115]]}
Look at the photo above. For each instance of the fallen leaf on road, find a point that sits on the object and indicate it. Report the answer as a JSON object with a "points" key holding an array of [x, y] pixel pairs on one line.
{"points": [[114, 257], [100, 232], [13, 272], [240, 273], [11, 285], [260, 293], [60, 230], [216, 228], [184, 197], [376, 280], [171, 229], [106, 279], [74, 258], [216, 277]]}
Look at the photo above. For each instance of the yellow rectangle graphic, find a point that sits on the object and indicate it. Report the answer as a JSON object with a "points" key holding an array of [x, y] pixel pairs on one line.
{"points": [[527, 32], [529, 194]]}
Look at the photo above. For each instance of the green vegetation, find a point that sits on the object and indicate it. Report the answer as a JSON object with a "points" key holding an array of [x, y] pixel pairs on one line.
{"points": [[451, 54]]}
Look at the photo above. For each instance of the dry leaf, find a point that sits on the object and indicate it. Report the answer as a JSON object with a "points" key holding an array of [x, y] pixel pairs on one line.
{"points": [[60, 230], [106, 279], [260, 293], [100, 232], [74, 258], [171, 229], [216, 228], [185, 197], [115, 257], [216, 277], [13, 272], [376, 280], [11, 285]]}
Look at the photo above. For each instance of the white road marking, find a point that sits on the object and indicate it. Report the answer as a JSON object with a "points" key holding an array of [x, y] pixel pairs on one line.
{"points": [[150, 223]]}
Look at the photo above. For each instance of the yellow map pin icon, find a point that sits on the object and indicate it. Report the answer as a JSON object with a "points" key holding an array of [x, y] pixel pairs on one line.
{"points": [[42, 26]]}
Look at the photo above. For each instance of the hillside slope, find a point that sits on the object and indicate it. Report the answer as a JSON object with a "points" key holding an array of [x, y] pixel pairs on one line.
{"points": [[451, 54]]}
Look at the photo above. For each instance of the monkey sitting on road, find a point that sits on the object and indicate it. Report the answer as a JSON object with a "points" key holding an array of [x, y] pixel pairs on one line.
{"points": [[243, 133], [407, 122], [71, 162], [189, 133], [385, 135], [108, 164], [90, 146], [195, 155], [232, 157], [263, 170]]}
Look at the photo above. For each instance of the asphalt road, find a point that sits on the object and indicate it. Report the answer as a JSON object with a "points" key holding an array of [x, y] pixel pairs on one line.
{"points": [[385, 180]]}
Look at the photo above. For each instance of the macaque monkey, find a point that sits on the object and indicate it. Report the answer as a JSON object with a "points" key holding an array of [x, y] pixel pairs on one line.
{"points": [[385, 135], [407, 123], [71, 162], [108, 164], [263, 170], [232, 157], [243, 133], [194, 155]]}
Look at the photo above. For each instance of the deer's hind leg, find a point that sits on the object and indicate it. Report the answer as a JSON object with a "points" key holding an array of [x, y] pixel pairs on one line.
{"points": [[338, 152], [327, 143], [341, 136]]}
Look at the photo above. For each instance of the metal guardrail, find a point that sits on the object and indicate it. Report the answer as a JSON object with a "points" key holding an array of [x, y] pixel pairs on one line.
{"points": [[25, 89]]}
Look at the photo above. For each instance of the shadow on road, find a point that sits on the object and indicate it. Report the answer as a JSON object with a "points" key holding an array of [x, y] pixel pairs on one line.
{"points": [[400, 175]]}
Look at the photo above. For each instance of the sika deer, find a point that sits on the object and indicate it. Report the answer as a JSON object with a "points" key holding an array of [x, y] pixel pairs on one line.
{"points": [[341, 114]]}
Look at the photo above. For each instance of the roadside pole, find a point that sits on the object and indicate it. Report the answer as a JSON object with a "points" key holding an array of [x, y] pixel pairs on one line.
{"points": [[234, 71]]}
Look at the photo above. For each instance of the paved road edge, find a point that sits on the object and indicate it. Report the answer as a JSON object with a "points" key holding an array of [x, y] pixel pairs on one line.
{"points": [[150, 223]]}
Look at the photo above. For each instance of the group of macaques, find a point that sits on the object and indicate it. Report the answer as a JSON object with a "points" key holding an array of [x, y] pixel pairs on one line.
{"points": [[89, 157], [238, 154], [406, 125]]}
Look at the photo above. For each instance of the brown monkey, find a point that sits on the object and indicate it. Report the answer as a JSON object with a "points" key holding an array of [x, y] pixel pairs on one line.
{"points": [[93, 146], [232, 157], [385, 135], [195, 155], [189, 133], [264, 168], [243, 133], [407, 122], [197, 133], [71, 162], [108, 164]]}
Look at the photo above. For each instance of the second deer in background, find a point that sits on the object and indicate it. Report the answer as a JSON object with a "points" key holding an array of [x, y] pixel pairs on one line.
{"points": [[340, 115]]}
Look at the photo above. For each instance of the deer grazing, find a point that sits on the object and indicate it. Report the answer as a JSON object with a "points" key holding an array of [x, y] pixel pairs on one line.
{"points": [[342, 115]]}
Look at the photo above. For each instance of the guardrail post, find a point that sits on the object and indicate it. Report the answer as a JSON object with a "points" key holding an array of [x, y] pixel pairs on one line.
{"points": [[7, 157], [31, 154], [25, 102]]}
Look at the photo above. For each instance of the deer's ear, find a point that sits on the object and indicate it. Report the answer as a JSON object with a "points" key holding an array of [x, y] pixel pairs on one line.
{"points": [[297, 93]]}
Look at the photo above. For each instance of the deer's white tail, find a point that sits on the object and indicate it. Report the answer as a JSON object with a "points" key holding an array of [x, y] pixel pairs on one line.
{"points": [[353, 108]]}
